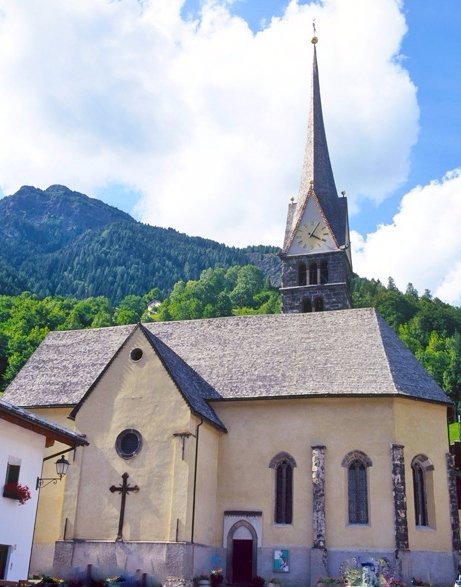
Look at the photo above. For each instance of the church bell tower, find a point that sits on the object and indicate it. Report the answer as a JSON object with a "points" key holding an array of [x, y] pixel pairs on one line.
{"points": [[316, 259]]}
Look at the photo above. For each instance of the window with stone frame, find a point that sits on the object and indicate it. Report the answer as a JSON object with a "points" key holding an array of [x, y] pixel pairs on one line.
{"points": [[323, 272], [306, 306], [313, 274], [318, 304], [356, 464], [283, 465], [423, 494], [302, 274]]}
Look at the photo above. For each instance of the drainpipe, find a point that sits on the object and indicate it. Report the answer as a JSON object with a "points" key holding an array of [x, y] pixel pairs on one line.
{"points": [[195, 480]]}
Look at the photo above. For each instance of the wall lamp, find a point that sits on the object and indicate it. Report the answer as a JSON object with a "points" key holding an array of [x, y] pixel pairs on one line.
{"points": [[62, 465]]}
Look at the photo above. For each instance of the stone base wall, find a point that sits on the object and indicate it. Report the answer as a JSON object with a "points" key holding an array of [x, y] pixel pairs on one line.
{"points": [[158, 559], [41, 561], [161, 560]]}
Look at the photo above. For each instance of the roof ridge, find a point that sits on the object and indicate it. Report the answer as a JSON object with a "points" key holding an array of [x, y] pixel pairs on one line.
{"points": [[162, 350]]}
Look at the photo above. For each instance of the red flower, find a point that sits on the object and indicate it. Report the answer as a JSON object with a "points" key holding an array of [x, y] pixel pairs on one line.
{"points": [[17, 491]]}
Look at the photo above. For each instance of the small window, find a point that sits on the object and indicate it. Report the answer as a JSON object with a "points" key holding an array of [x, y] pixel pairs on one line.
{"points": [[128, 443], [283, 464], [323, 272], [302, 276], [136, 354], [11, 481], [306, 306], [357, 463], [313, 278], [423, 492], [318, 304]]}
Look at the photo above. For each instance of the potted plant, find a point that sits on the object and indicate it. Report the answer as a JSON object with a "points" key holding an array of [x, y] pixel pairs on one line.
{"points": [[17, 491], [216, 577]]}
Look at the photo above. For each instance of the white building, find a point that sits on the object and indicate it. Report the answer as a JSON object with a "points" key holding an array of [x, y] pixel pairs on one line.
{"points": [[23, 439]]}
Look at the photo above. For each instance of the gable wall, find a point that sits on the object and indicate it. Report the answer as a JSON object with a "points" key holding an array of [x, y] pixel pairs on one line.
{"points": [[138, 395]]}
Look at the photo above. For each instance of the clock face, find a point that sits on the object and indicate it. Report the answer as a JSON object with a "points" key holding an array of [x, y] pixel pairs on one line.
{"points": [[312, 234]]}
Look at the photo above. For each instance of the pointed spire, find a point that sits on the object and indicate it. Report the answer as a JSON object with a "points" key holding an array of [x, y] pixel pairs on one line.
{"points": [[317, 166], [317, 174]]}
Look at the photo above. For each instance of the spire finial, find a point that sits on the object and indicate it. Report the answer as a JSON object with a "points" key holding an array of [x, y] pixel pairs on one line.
{"points": [[314, 39]]}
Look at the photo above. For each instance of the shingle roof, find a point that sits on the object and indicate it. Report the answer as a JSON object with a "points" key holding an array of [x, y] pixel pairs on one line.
{"points": [[40, 425], [194, 389], [340, 353], [65, 365]]}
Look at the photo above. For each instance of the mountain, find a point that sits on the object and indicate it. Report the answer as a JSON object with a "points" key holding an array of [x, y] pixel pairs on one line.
{"points": [[60, 242]]}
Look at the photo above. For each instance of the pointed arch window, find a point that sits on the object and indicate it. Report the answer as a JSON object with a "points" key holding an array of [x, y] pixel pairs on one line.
{"points": [[302, 274], [356, 464], [283, 464], [423, 494], [323, 272], [313, 277], [306, 306], [318, 304]]}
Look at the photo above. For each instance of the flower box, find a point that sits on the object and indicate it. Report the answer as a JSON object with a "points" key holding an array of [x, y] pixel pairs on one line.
{"points": [[17, 491]]}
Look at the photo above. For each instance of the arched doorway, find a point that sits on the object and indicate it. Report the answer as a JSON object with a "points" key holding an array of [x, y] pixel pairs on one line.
{"points": [[241, 553]]}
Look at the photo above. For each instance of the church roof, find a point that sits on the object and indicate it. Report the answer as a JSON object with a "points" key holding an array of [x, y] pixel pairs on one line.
{"points": [[317, 173], [40, 425], [339, 353]]}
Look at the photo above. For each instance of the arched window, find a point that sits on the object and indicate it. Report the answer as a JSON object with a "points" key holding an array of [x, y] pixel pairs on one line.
{"points": [[313, 274], [323, 272], [307, 306], [283, 464], [318, 304], [357, 463], [422, 469], [302, 276]]}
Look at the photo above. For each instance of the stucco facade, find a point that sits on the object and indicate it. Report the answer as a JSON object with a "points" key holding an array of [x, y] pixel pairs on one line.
{"points": [[201, 487]]}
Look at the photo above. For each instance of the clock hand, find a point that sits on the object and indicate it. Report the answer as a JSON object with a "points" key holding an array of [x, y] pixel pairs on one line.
{"points": [[319, 238], [317, 225]]}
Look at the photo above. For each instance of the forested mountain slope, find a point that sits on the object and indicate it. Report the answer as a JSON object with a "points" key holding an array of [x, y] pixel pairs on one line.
{"points": [[60, 242]]}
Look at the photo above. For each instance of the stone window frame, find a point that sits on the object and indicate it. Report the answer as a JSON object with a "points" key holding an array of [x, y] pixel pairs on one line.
{"points": [[283, 464], [423, 491], [356, 463], [302, 273]]}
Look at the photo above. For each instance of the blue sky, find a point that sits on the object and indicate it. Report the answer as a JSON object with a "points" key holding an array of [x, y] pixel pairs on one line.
{"points": [[192, 114]]}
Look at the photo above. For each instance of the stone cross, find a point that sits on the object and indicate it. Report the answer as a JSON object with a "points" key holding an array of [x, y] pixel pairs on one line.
{"points": [[124, 488]]}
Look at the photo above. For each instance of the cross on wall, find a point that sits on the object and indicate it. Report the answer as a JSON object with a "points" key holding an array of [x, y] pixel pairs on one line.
{"points": [[123, 489]]}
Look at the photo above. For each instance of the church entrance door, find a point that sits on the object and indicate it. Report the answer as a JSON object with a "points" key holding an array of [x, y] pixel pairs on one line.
{"points": [[242, 548], [242, 561]]}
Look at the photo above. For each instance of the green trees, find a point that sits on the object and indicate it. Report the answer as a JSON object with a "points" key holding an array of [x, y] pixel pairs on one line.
{"points": [[220, 292], [25, 319]]}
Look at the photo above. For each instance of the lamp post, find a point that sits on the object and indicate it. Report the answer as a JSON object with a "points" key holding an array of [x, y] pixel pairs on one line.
{"points": [[62, 465]]}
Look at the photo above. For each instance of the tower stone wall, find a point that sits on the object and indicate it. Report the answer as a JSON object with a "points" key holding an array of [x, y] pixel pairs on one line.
{"points": [[334, 292]]}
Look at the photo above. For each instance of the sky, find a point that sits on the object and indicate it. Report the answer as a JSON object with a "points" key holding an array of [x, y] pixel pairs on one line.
{"points": [[192, 114]]}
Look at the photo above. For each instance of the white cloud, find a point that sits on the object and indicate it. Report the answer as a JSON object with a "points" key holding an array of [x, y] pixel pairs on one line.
{"points": [[421, 245], [204, 118]]}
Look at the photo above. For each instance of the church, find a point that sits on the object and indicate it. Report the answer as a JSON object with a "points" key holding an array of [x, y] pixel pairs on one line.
{"points": [[274, 446]]}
